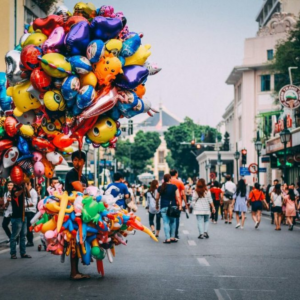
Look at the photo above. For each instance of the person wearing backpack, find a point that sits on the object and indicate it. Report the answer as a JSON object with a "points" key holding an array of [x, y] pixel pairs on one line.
{"points": [[256, 198], [151, 204], [229, 189], [276, 200]]}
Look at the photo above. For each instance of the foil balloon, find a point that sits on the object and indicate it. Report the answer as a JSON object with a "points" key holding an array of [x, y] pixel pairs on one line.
{"points": [[23, 146], [13, 72], [72, 21], [5, 144], [70, 88], [54, 101], [48, 24], [22, 99], [49, 168], [37, 156], [62, 141], [26, 166], [95, 50], [140, 90], [139, 57], [38, 169], [114, 47], [36, 39], [40, 80], [4, 172], [23, 38], [106, 11], [105, 28], [42, 144], [10, 157], [80, 64], [63, 11], [5, 101], [78, 39], [85, 96], [131, 44], [56, 159], [88, 79], [29, 57], [87, 10], [56, 65], [55, 40], [152, 68], [52, 126], [10, 126], [26, 131], [17, 175], [132, 77]]}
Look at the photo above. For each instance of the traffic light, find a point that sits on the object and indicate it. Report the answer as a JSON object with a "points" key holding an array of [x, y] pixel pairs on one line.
{"points": [[244, 156], [193, 143], [130, 127]]}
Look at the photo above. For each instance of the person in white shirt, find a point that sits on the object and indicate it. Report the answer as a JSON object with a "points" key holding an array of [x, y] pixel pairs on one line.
{"points": [[8, 209], [30, 210], [229, 189]]}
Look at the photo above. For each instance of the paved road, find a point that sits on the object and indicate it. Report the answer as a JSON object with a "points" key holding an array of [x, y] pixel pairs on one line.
{"points": [[231, 264]]}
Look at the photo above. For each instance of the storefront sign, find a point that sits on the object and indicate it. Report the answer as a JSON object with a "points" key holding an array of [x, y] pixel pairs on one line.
{"points": [[279, 126], [289, 96], [276, 145]]}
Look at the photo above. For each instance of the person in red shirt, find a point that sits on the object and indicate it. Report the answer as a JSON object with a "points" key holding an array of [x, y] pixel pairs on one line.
{"points": [[217, 195], [180, 186], [256, 197]]}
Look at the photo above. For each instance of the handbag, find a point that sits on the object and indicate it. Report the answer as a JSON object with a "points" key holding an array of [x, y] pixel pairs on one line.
{"points": [[228, 194], [173, 212]]}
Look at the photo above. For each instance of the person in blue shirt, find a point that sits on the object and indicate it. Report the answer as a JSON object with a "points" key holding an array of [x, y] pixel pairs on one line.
{"points": [[123, 192]]}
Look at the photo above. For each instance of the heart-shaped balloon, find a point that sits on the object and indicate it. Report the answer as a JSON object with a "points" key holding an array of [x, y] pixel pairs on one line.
{"points": [[106, 28], [132, 77], [48, 24], [55, 40], [72, 21], [78, 39], [17, 175], [5, 144]]}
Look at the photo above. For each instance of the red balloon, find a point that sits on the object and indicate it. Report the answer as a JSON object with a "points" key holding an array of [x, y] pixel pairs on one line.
{"points": [[48, 24], [29, 57], [63, 141], [10, 126], [40, 80], [42, 145], [72, 21], [5, 144], [17, 175]]}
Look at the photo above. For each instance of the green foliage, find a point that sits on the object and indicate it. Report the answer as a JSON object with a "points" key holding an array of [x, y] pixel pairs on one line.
{"points": [[45, 5], [182, 158], [137, 155], [287, 55]]}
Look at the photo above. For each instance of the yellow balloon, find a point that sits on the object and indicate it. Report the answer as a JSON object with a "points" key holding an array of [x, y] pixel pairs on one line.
{"points": [[59, 61], [139, 57], [54, 101], [88, 79], [27, 131], [103, 131], [50, 225], [113, 46], [30, 29], [36, 39]]}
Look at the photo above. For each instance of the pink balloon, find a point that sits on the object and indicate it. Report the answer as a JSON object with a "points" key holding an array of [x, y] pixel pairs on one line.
{"points": [[37, 156], [55, 40], [39, 169]]}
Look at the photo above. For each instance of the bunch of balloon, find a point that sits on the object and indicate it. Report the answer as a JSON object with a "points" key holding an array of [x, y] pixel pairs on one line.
{"points": [[71, 78]]}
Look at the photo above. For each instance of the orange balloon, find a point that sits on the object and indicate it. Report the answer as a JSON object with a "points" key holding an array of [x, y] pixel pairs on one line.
{"points": [[140, 90], [49, 168], [10, 126], [72, 21]]}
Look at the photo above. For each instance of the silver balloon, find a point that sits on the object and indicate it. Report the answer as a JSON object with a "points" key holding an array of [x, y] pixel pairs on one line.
{"points": [[4, 172], [27, 118], [24, 37], [13, 72], [62, 10]]}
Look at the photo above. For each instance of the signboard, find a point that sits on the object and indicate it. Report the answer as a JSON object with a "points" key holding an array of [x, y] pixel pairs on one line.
{"points": [[275, 145], [244, 171], [212, 175], [253, 168], [262, 170], [289, 96], [265, 159]]}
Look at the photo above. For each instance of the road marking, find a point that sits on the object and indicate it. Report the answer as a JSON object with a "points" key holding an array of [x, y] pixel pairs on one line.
{"points": [[202, 261], [192, 243], [8, 249], [219, 295], [185, 231]]}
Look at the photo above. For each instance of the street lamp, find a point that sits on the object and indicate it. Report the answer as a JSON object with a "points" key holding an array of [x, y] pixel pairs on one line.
{"points": [[219, 163], [86, 148], [237, 157], [207, 167], [285, 137], [258, 147]]}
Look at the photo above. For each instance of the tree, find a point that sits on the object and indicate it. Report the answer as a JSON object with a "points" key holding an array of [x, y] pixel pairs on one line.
{"points": [[182, 158], [137, 155]]}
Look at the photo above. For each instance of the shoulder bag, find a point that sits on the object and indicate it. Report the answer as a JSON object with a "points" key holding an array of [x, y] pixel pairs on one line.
{"points": [[228, 194], [173, 212]]}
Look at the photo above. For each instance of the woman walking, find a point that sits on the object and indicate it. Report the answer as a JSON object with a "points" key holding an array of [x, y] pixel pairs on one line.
{"points": [[256, 197], [240, 203], [201, 202], [218, 193], [169, 196], [276, 201], [289, 201], [8, 210], [151, 204], [284, 191]]}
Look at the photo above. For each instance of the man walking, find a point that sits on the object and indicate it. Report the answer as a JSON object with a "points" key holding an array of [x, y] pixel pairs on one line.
{"points": [[180, 186], [228, 189]]}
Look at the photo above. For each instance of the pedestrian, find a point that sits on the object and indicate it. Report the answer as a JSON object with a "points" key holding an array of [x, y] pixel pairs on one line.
{"points": [[51, 188], [217, 195], [122, 193], [130, 201], [180, 186], [138, 195], [76, 181], [268, 199], [284, 191], [289, 201], [169, 196], [256, 198], [8, 210], [153, 212], [202, 201], [240, 203], [18, 221], [276, 201], [30, 210], [38, 188], [229, 190]]}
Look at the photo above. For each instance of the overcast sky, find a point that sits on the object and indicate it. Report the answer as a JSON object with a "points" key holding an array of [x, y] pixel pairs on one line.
{"points": [[197, 43]]}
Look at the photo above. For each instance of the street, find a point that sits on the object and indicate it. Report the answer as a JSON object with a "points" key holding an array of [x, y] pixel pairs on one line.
{"points": [[231, 264]]}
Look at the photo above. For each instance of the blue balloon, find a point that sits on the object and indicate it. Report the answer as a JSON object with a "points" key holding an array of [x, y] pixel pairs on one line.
{"points": [[114, 113], [94, 51], [5, 101], [122, 60], [80, 64], [131, 45], [85, 97], [76, 110], [70, 88], [105, 28], [23, 146]]}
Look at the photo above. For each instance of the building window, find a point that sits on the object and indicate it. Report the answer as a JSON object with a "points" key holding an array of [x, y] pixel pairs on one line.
{"points": [[265, 83], [270, 54], [240, 128], [29, 16], [161, 157], [239, 92], [280, 80]]}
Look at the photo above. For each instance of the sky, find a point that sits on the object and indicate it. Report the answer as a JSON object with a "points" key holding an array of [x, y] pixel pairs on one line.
{"points": [[196, 43]]}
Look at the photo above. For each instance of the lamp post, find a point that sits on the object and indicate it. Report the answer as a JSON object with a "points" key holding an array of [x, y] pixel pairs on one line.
{"points": [[237, 157], [258, 147], [207, 167], [86, 148], [285, 137]]}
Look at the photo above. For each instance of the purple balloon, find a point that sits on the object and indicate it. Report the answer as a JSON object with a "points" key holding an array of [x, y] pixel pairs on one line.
{"points": [[78, 39], [132, 77], [106, 28], [54, 41]]}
